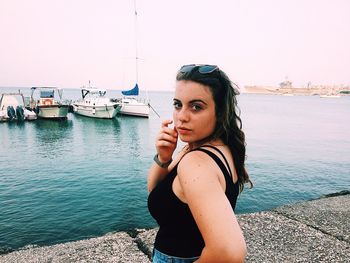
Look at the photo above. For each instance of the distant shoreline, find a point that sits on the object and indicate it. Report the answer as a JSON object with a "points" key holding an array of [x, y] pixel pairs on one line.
{"points": [[287, 89]]}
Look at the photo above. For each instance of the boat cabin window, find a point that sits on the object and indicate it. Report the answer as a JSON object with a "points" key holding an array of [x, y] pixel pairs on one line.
{"points": [[46, 94]]}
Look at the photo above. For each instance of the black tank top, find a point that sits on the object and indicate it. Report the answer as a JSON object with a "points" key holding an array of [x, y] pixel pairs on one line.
{"points": [[178, 234]]}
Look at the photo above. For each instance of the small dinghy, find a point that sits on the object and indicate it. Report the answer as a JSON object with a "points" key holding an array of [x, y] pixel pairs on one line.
{"points": [[12, 108]]}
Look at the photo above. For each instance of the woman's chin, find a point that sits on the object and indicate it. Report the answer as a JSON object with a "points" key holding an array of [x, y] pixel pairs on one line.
{"points": [[185, 139]]}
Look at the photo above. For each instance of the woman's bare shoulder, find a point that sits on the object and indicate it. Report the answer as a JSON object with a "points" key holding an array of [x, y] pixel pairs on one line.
{"points": [[194, 158], [196, 165]]}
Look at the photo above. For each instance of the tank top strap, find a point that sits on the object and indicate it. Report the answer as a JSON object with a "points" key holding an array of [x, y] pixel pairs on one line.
{"points": [[218, 161], [222, 155]]}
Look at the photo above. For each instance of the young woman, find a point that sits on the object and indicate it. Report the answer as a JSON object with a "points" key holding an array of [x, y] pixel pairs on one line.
{"points": [[193, 196]]}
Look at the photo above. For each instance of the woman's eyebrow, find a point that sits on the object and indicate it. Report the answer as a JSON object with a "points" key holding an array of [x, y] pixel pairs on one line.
{"points": [[198, 100], [192, 101]]}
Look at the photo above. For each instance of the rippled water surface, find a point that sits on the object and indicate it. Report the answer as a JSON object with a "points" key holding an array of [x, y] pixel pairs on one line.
{"points": [[83, 177]]}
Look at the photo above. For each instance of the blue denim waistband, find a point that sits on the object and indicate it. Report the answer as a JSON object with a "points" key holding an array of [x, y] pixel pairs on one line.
{"points": [[159, 257]]}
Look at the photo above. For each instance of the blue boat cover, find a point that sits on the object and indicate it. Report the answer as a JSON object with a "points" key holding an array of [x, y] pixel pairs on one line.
{"points": [[132, 92]]}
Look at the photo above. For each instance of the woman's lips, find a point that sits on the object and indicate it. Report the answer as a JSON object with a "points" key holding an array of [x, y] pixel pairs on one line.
{"points": [[183, 130]]}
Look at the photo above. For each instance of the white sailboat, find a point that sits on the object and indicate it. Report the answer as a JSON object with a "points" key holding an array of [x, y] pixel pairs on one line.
{"points": [[132, 104]]}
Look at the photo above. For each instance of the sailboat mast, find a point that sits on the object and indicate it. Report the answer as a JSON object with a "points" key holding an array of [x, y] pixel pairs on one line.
{"points": [[136, 50], [136, 46]]}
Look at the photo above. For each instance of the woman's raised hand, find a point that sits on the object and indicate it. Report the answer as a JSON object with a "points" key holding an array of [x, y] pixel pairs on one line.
{"points": [[166, 141]]}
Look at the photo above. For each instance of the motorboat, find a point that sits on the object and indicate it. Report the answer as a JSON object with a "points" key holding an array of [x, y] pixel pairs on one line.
{"points": [[49, 105], [95, 104], [132, 105], [12, 107]]}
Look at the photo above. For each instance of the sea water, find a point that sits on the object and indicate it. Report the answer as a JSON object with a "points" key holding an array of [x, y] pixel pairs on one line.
{"points": [[83, 177]]}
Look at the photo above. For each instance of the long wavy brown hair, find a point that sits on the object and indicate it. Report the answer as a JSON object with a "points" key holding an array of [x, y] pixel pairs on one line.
{"points": [[229, 124]]}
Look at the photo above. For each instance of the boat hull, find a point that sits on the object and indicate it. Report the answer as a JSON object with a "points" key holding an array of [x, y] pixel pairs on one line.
{"points": [[52, 111], [3, 116], [101, 112], [30, 115], [133, 107], [330, 96], [139, 111]]}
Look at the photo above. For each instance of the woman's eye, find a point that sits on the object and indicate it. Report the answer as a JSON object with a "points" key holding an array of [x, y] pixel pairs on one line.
{"points": [[196, 107], [177, 105]]}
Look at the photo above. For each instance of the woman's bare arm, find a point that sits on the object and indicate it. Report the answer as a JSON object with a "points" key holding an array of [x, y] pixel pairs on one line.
{"points": [[199, 180]]}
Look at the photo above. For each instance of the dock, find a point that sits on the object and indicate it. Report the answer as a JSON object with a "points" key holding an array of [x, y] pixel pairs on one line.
{"points": [[311, 231]]}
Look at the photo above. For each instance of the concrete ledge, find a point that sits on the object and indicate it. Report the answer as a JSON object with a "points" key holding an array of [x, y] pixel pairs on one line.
{"points": [[272, 237], [329, 215], [313, 231], [118, 247]]}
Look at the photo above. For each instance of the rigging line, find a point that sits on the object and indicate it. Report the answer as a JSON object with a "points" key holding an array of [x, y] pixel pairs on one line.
{"points": [[149, 104]]}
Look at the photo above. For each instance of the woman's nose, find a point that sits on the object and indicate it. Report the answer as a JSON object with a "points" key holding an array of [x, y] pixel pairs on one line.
{"points": [[183, 115]]}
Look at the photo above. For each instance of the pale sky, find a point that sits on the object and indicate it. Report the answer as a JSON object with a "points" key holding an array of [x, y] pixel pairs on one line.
{"points": [[65, 43]]}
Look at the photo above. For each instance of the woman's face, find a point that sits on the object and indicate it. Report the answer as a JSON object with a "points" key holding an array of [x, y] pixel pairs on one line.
{"points": [[194, 111]]}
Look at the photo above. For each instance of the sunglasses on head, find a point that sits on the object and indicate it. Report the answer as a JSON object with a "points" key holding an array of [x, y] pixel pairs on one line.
{"points": [[203, 69]]}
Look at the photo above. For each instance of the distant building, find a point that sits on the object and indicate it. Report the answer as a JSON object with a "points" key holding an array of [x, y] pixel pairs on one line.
{"points": [[286, 84]]}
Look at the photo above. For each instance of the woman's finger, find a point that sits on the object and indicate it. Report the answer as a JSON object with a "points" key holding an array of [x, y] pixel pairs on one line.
{"points": [[164, 144], [165, 123], [166, 137]]}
